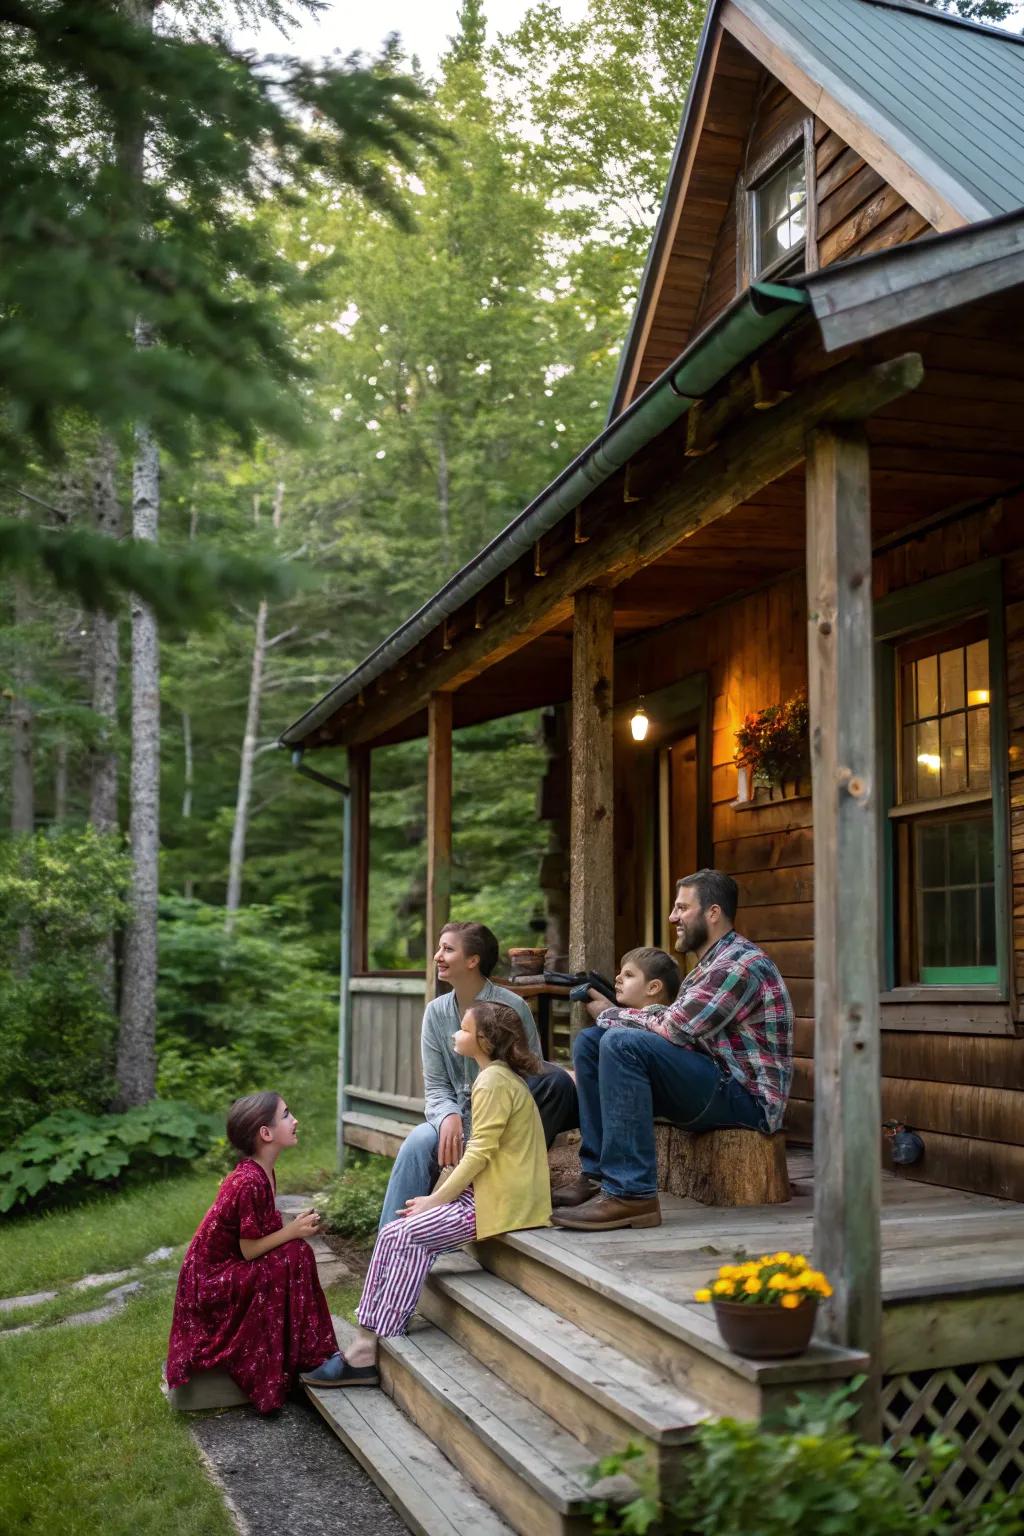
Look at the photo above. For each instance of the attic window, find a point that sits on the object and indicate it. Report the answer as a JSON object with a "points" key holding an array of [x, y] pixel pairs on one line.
{"points": [[779, 216]]}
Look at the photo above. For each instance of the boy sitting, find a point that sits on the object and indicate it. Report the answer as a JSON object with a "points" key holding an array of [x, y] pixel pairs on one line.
{"points": [[647, 978]]}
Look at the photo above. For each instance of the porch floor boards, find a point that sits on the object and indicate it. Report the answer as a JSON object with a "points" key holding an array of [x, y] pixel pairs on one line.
{"points": [[935, 1242]]}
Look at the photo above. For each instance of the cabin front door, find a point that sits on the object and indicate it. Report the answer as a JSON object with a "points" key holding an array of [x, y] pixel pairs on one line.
{"points": [[679, 825]]}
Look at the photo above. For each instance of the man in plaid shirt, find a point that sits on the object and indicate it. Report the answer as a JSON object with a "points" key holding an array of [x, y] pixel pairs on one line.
{"points": [[721, 1055]]}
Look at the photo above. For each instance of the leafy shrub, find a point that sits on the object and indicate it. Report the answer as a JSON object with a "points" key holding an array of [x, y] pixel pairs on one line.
{"points": [[812, 1478], [61, 895], [352, 1202], [237, 1011], [70, 1149]]}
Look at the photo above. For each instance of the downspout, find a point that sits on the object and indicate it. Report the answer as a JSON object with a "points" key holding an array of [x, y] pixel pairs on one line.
{"points": [[345, 959]]}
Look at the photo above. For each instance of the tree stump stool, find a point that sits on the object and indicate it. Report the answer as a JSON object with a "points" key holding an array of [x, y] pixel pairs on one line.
{"points": [[205, 1391], [564, 1159], [732, 1167]]}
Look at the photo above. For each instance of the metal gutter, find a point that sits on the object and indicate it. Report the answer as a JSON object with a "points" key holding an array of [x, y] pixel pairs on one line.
{"points": [[760, 313]]}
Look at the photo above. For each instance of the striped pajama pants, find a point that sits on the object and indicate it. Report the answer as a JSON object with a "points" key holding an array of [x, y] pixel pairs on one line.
{"points": [[402, 1259]]}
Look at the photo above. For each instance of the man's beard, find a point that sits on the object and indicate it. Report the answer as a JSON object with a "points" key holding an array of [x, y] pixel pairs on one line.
{"points": [[696, 935]]}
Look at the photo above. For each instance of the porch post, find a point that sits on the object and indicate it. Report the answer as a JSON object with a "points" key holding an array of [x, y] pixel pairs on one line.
{"points": [[439, 824], [847, 1093], [359, 788], [591, 862]]}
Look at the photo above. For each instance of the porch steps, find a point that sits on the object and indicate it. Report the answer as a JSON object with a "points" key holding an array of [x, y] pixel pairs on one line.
{"points": [[590, 1388], [526, 1367], [432, 1497], [679, 1344]]}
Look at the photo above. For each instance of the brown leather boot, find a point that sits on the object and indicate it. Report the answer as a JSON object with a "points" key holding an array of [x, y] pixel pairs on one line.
{"points": [[581, 1188], [604, 1213]]}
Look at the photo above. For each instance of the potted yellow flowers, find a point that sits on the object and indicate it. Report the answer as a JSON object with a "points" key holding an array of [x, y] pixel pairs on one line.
{"points": [[765, 1308]]}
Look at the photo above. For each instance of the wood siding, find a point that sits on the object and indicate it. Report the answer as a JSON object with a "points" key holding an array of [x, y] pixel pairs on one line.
{"points": [[963, 1093], [855, 211]]}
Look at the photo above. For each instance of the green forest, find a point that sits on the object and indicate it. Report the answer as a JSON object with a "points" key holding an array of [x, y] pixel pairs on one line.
{"points": [[281, 346]]}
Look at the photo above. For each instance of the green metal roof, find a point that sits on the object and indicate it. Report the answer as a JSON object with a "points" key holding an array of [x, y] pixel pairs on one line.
{"points": [[948, 95]]}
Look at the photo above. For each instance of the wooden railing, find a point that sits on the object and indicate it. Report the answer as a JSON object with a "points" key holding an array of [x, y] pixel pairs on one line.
{"points": [[384, 1061]]}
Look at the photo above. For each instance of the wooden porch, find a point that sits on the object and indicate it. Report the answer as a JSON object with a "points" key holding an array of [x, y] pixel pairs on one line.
{"points": [[548, 1349]]}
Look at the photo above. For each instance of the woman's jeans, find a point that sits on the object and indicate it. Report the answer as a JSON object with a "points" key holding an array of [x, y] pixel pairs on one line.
{"points": [[416, 1169], [625, 1078]]}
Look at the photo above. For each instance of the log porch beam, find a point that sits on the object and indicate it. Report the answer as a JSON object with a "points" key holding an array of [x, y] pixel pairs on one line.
{"points": [[847, 1087], [591, 858], [760, 448], [439, 825]]}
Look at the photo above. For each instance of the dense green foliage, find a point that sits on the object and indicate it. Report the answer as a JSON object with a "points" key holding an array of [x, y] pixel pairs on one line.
{"points": [[810, 1476], [238, 1008], [70, 1148], [351, 1203], [60, 895]]}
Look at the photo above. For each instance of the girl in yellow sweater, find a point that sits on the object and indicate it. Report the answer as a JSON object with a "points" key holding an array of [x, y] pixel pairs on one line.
{"points": [[501, 1185]]}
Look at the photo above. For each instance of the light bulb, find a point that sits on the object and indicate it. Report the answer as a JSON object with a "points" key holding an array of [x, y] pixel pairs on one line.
{"points": [[930, 760], [639, 724]]}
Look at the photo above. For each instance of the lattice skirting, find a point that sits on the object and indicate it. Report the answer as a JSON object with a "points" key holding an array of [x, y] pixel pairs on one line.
{"points": [[980, 1408]]}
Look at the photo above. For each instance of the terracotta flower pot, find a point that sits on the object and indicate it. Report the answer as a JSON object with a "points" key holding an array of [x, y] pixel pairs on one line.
{"points": [[766, 1332], [526, 962]]}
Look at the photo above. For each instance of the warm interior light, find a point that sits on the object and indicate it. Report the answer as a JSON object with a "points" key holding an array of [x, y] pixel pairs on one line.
{"points": [[930, 760], [978, 696], [639, 723]]}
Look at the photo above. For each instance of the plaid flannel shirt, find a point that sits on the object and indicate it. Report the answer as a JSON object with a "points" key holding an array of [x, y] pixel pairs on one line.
{"points": [[734, 1006]]}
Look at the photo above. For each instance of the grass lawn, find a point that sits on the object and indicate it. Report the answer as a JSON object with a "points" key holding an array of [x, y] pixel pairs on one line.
{"points": [[88, 1445]]}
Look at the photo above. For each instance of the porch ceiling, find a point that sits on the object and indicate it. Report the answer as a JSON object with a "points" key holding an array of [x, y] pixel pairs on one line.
{"points": [[952, 442]]}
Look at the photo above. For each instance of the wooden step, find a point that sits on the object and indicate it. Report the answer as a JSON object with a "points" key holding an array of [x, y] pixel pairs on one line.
{"points": [[430, 1494], [531, 1470], [678, 1342], [604, 1397]]}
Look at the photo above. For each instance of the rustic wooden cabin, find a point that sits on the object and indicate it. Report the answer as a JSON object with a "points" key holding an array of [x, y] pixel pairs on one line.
{"points": [[812, 477]]}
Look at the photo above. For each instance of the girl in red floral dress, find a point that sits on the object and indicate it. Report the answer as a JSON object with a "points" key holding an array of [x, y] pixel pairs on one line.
{"points": [[248, 1295]]}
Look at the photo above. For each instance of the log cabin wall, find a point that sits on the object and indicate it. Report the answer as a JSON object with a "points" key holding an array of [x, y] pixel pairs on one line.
{"points": [[964, 1093], [854, 209]]}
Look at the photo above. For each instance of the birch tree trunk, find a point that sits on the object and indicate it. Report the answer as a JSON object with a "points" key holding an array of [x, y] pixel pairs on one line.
{"points": [[186, 797], [23, 811], [136, 1046], [106, 657], [239, 830]]}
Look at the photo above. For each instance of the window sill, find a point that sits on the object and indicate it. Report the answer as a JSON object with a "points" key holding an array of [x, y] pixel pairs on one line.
{"points": [[947, 1010]]}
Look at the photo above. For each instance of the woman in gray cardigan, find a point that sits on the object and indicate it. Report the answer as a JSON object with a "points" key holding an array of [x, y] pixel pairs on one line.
{"points": [[466, 955]]}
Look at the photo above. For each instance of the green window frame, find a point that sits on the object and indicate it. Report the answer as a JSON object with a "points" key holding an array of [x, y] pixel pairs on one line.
{"points": [[938, 606]]}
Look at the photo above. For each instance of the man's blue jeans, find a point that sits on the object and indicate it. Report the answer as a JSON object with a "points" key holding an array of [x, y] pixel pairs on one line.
{"points": [[627, 1077], [416, 1169]]}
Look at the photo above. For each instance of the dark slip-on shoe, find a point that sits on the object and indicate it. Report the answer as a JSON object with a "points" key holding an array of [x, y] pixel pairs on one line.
{"points": [[605, 1213], [581, 1189], [336, 1372]]}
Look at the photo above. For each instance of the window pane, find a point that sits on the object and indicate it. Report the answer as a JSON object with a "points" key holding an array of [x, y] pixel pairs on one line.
{"points": [[979, 747], [928, 760], [954, 754], [962, 940], [933, 928], [909, 763], [987, 933], [977, 673], [963, 853], [780, 211], [951, 670], [927, 687], [908, 709], [931, 853], [955, 902], [773, 199]]}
